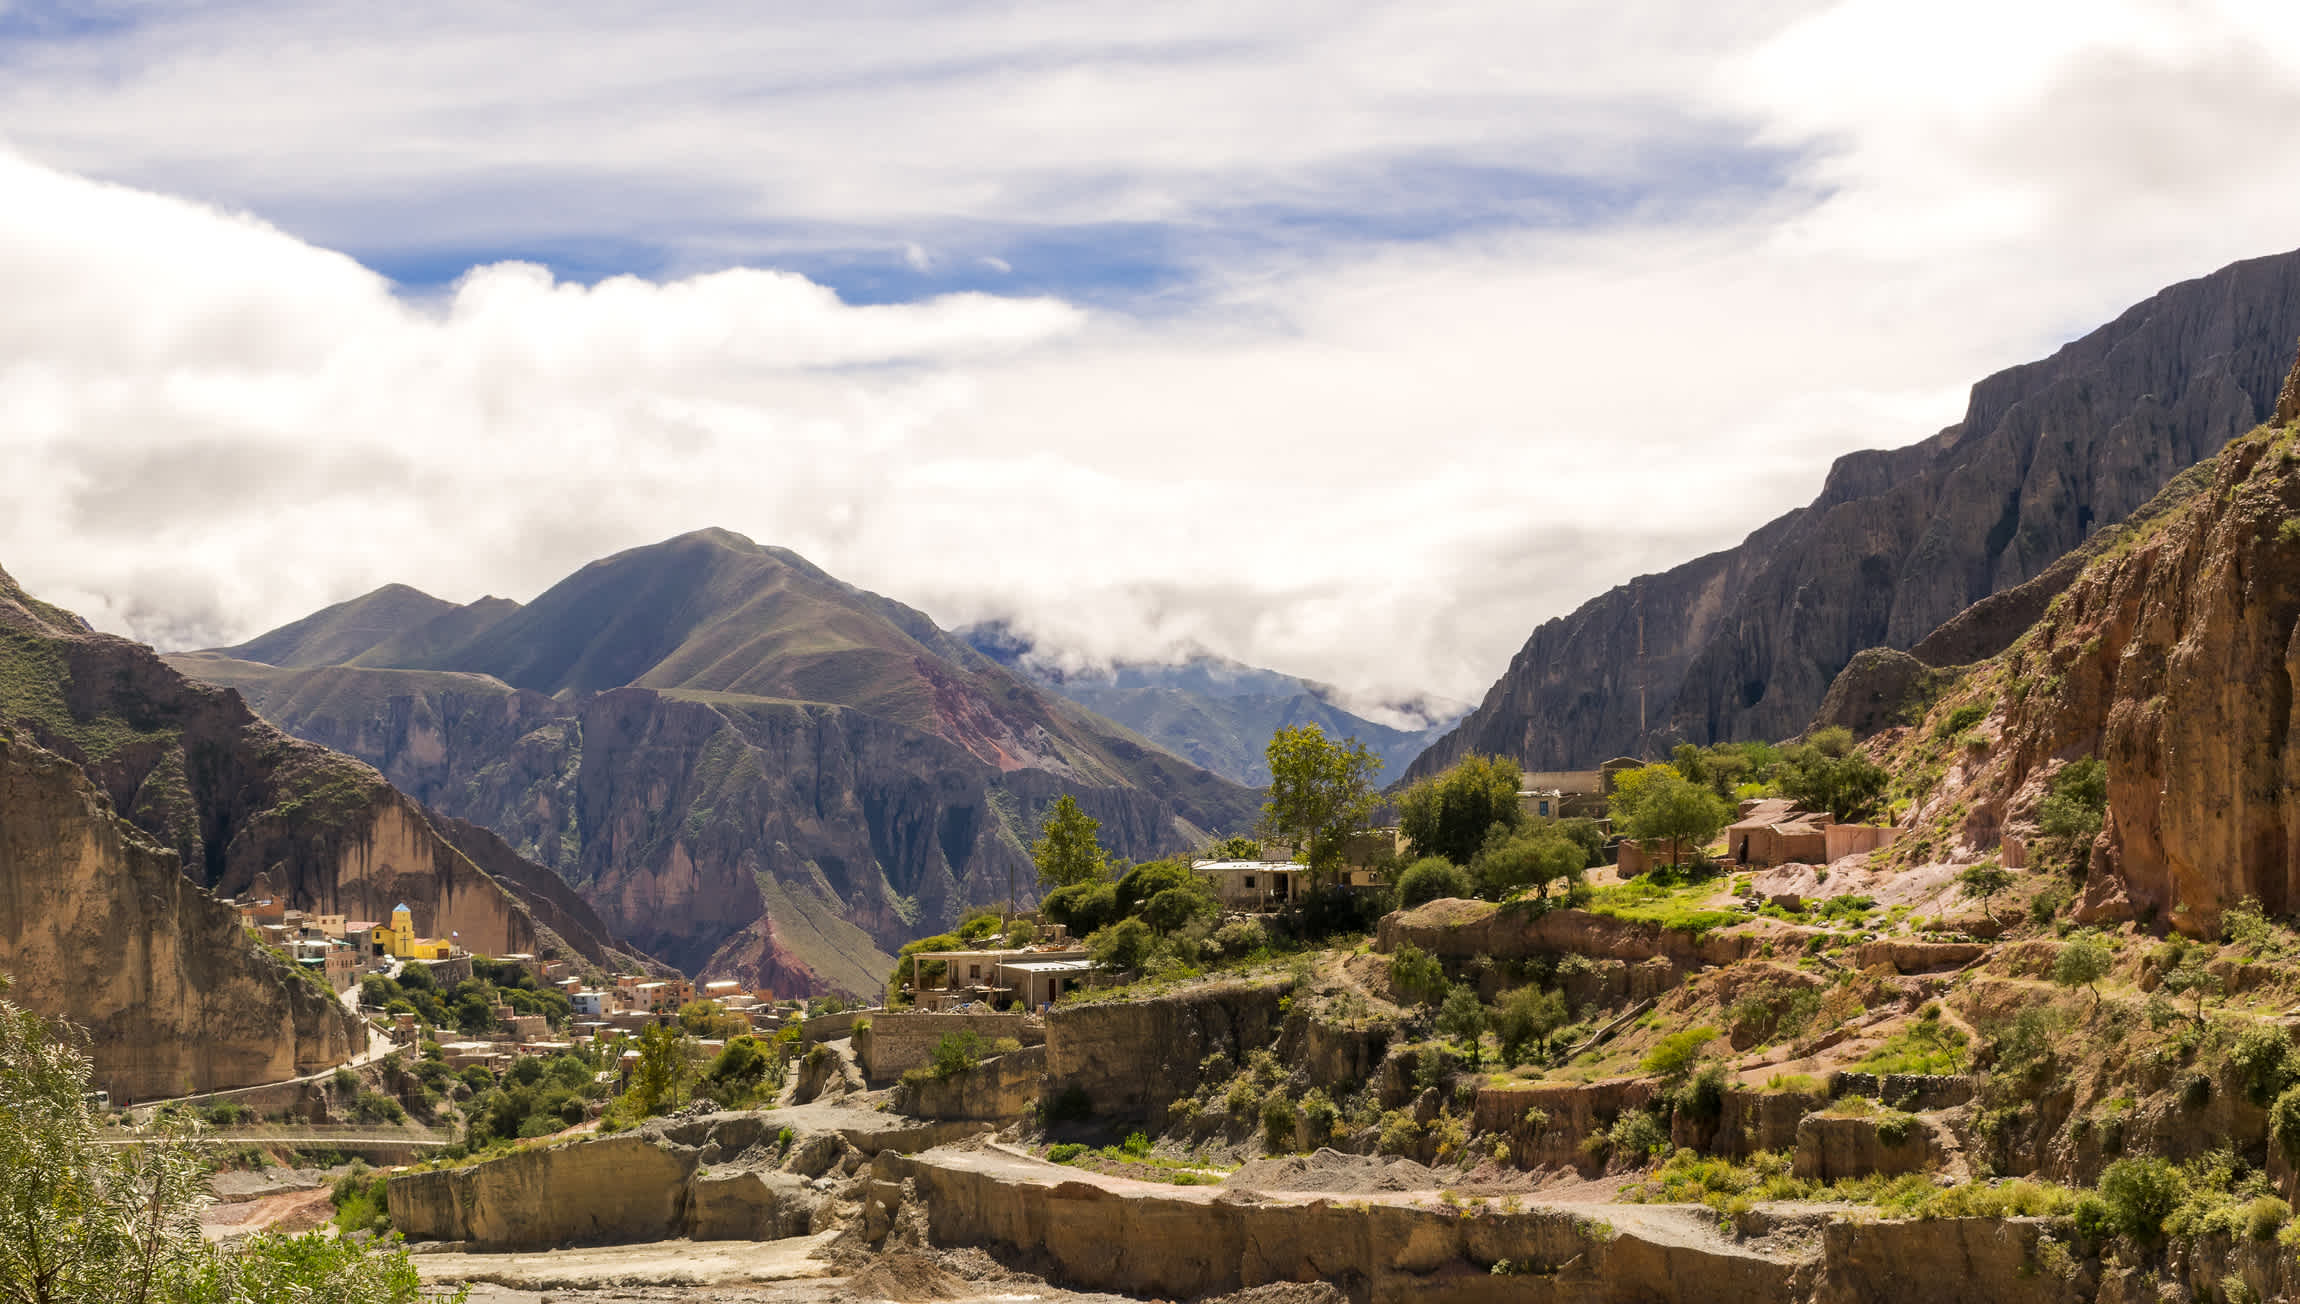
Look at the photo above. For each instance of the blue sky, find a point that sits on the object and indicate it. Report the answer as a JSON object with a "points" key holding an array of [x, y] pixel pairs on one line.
{"points": [[1233, 326]]}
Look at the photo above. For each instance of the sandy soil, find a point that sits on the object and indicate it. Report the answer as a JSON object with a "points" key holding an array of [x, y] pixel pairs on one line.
{"points": [[654, 1263], [292, 1211]]}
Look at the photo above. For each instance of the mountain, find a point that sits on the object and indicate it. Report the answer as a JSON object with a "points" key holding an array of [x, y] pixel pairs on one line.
{"points": [[2168, 656], [1212, 711], [130, 797], [745, 765], [1744, 643]]}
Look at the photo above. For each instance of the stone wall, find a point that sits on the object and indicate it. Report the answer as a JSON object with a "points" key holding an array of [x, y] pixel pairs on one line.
{"points": [[1131, 1059], [1001, 1089], [896, 1043]]}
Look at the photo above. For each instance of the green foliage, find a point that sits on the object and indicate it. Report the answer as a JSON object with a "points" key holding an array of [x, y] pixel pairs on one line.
{"points": [[1925, 1045], [1636, 1135], [655, 1078], [1235, 848], [359, 1201], [1664, 807], [1278, 1120], [1983, 881], [1961, 719], [1532, 857], [1673, 1056], [1416, 975], [2264, 1061], [1461, 1016], [1320, 792], [1431, 878], [2077, 802], [2284, 1123], [2140, 1195], [1825, 773], [1123, 946], [1082, 907], [1527, 1017], [1066, 852], [1065, 1152], [1452, 814], [85, 1222]]}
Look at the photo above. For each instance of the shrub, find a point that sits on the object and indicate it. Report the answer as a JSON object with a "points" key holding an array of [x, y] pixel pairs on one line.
{"points": [[1319, 1113], [2141, 1194], [1064, 1153], [2284, 1123], [1240, 937], [957, 1052], [1704, 1096], [1123, 946], [1278, 1120], [1673, 1056], [1416, 974], [1637, 1135], [1430, 879], [2078, 801], [1895, 1128], [1400, 1134], [1462, 1018], [2262, 1057], [1961, 719]]}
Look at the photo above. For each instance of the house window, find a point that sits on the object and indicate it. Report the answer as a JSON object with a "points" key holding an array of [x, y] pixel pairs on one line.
{"points": [[1545, 809], [1249, 880], [974, 971]]}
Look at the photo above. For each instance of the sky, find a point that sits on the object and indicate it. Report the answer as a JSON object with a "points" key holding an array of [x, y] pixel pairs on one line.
{"points": [[1351, 339]]}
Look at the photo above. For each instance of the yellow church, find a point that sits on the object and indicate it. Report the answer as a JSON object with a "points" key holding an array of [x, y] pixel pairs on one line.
{"points": [[398, 939]]}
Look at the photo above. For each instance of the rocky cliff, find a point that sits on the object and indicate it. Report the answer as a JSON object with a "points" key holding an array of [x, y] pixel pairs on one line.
{"points": [[98, 925], [234, 798], [1744, 643], [745, 766], [2171, 656]]}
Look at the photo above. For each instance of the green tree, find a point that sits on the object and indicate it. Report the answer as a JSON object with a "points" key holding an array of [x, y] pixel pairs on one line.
{"points": [[2141, 1194], [1235, 848], [1431, 878], [1066, 852], [1461, 1016], [2083, 961], [85, 1222], [710, 1021], [655, 1078], [1452, 814], [1667, 808], [1534, 857], [1124, 946], [1528, 1016], [1825, 773], [1673, 1056], [1983, 882], [1321, 792]]}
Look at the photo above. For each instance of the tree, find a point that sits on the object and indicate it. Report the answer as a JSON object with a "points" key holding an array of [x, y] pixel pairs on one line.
{"points": [[710, 1021], [1123, 946], [2191, 978], [1321, 792], [1535, 858], [1461, 1016], [655, 1078], [1528, 1016], [1824, 773], [2083, 961], [1066, 852], [1452, 814], [85, 1222], [1983, 881], [1235, 848], [1668, 808], [1431, 878]]}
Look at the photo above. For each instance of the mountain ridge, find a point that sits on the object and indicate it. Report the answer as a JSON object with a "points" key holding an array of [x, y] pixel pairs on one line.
{"points": [[1744, 642]]}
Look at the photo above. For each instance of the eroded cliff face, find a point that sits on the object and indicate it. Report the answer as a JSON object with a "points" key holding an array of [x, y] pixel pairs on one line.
{"points": [[98, 925], [189, 765], [1745, 643], [2172, 658]]}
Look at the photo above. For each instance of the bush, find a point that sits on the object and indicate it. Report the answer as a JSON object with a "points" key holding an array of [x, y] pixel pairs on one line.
{"points": [[1673, 1056], [1400, 1134], [359, 1201], [1637, 1135], [956, 1053], [1416, 975], [1240, 937], [1319, 1113], [2262, 1057], [2141, 1194], [1123, 946], [1462, 1018], [2077, 804], [1533, 858], [1431, 878], [1067, 1151], [1084, 908], [2284, 1123], [1278, 1120]]}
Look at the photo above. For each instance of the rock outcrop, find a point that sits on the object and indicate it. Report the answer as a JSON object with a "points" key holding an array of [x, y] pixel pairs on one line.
{"points": [[232, 797], [1744, 643], [98, 925], [746, 767]]}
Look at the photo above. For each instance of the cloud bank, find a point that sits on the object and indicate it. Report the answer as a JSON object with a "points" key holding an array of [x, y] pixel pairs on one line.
{"points": [[1463, 318]]}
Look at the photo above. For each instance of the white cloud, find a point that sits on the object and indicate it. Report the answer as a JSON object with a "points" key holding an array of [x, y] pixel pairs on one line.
{"points": [[1373, 461]]}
